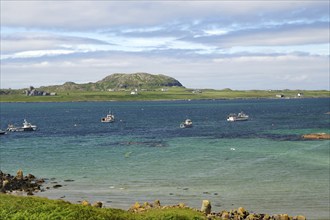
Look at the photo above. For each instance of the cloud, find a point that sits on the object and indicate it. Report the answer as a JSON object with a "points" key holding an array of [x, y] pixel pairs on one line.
{"points": [[105, 14], [204, 44], [278, 35], [34, 41], [236, 72]]}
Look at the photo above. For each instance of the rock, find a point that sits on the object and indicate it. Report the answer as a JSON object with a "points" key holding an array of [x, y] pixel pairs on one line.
{"points": [[284, 217], [85, 203], [251, 217], [225, 215], [19, 174], [5, 183], [206, 207], [299, 217], [57, 186], [317, 136], [9, 183], [182, 205], [30, 176], [241, 211], [98, 204], [266, 217], [157, 203], [237, 217], [136, 206], [147, 205]]}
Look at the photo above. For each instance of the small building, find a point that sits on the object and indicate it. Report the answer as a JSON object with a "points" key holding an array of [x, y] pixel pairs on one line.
{"points": [[33, 92], [197, 91], [279, 96], [300, 94]]}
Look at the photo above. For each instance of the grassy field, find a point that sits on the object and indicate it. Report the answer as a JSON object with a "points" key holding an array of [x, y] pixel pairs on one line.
{"points": [[173, 93], [19, 207]]}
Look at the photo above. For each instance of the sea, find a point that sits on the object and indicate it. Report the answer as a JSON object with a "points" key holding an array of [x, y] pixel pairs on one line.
{"points": [[262, 164]]}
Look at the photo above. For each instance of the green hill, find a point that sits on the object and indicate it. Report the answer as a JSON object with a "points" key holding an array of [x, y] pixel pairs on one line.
{"points": [[119, 81]]}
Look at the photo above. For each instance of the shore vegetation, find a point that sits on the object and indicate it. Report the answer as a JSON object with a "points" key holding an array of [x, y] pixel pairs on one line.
{"points": [[168, 93], [27, 207]]}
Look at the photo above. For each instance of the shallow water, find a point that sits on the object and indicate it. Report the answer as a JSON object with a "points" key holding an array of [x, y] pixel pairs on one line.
{"points": [[261, 164]]}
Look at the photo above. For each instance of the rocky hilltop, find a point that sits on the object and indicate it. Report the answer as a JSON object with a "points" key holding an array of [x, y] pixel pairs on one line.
{"points": [[120, 81]]}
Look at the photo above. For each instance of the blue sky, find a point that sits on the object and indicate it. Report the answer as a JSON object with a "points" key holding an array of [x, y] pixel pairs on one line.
{"points": [[204, 44]]}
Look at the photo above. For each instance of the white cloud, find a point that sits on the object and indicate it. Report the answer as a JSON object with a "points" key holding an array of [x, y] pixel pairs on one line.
{"points": [[100, 14], [37, 53], [204, 44], [264, 72]]}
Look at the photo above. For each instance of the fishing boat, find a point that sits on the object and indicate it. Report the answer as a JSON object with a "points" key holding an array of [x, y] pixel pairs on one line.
{"points": [[27, 126], [109, 118], [238, 117], [186, 124], [12, 127]]}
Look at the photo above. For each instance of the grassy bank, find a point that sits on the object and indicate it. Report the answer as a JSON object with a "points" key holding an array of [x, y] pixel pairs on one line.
{"points": [[173, 93], [19, 207]]}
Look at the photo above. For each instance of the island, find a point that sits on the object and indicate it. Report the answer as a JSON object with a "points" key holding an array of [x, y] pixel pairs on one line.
{"points": [[141, 87]]}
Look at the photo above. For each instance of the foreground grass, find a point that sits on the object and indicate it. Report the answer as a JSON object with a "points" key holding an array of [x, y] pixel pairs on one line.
{"points": [[174, 93], [19, 207]]}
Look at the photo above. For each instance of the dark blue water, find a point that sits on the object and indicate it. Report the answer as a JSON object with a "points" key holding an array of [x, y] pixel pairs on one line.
{"points": [[161, 119], [262, 164]]}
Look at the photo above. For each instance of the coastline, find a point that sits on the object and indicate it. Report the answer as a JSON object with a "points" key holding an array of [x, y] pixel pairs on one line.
{"points": [[22, 188], [173, 94], [208, 209], [167, 100], [25, 206]]}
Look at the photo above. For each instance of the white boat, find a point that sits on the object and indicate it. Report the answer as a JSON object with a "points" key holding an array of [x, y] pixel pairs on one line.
{"points": [[27, 126], [2, 132], [11, 127], [109, 118], [238, 117], [186, 124]]}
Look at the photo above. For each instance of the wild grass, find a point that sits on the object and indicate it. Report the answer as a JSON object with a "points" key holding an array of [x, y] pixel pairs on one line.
{"points": [[25, 208], [174, 93]]}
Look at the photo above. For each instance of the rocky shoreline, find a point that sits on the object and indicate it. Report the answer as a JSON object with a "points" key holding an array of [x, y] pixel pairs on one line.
{"points": [[30, 185], [235, 214], [316, 136]]}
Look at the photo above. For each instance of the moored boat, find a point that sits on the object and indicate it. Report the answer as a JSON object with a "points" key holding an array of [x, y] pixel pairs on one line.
{"points": [[27, 126], [186, 124], [238, 117], [109, 118]]}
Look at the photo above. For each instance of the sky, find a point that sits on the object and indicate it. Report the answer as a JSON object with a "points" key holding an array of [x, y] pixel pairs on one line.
{"points": [[241, 45]]}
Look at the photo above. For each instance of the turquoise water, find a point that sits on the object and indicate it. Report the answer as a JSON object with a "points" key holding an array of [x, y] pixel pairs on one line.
{"points": [[262, 164]]}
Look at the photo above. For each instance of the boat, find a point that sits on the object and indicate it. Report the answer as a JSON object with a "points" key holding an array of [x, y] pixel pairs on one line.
{"points": [[109, 118], [27, 126], [186, 124], [2, 132], [238, 117], [11, 127]]}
